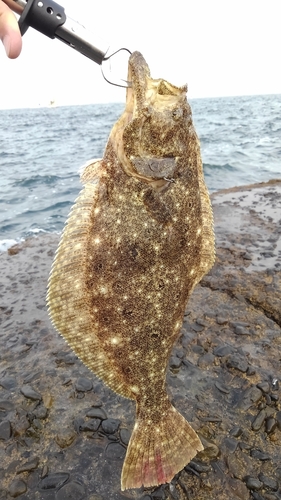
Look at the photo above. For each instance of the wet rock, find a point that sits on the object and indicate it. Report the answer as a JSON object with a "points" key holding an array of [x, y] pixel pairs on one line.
{"points": [[259, 420], [28, 466], [259, 455], [268, 482], [251, 396], [175, 362], [110, 425], [270, 425], [221, 387], [229, 445], [252, 483], [71, 491], [221, 320], [125, 435], [278, 419], [115, 451], [65, 438], [8, 383], [239, 490], [223, 350], [210, 452], [91, 425], [206, 360], [40, 412], [53, 481], [96, 413], [198, 467], [238, 362], [5, 430], [83, 384], [264, 387], [6, 405], [30, 393], [17, 488], [239, 464], [236, 431]]}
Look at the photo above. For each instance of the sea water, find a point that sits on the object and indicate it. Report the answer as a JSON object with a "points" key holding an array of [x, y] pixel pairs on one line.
{"points": [[42, 149]]}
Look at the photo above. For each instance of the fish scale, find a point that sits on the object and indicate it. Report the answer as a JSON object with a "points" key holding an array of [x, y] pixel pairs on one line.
{"points": [[137, 241]]}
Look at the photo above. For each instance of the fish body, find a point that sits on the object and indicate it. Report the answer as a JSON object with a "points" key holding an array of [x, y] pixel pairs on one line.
{"points": [[137, 241]]}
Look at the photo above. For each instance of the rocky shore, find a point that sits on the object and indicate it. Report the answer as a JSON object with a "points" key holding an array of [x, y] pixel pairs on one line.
{"points": [[63, 434]]}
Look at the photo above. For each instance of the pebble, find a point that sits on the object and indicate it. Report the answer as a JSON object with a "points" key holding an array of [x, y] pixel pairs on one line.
{"points": [[175, 362], [6, 405], [221, 320], [115, 451], [268, 482], [53, 481], [96, 413], [65, 438], [236, 431], [237, 361], [110, 425], [240, 330], [28, 466], [259, 420], [229, 445], [83, 384], [251, 396], [8, 383], [206, 360], [259, 455], [5, 430], [40, 412], [91, 425], [278, 419], [125, 435], [223, 350], [199, 467], [270, 425], [30, 393], [264, 387], [210, 451], [252, 483], [196, 327], [71, 491], [17, 488], [221, 387]]}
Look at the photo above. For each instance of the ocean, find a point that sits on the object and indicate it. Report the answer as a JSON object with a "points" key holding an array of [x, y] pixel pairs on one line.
{"points": [[42, 150]]}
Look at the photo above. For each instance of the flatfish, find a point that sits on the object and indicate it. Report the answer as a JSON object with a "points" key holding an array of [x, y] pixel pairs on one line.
{"points": [[138, 239]]}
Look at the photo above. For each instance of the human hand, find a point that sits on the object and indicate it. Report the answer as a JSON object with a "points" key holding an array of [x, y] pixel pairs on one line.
{"points": [[9, 32]]}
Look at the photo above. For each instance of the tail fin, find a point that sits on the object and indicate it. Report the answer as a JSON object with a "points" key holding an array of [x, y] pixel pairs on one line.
{"points": [[156, 452]]}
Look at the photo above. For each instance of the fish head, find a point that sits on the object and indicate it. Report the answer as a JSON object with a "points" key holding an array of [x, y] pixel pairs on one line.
{"points": [[155, 128]]}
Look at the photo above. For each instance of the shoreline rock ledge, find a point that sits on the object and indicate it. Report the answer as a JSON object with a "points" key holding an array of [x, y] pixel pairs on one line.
{"points": [[63, 434]]}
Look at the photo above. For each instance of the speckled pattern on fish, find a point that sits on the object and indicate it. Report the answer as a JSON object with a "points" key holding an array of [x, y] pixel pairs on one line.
{"points": [[137, 241]]}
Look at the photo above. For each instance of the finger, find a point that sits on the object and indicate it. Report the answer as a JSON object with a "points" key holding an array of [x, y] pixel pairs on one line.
{"points": [[9, 32]]}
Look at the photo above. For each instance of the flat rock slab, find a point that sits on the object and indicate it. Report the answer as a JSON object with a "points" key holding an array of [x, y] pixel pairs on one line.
{"points": [[64, 433]]}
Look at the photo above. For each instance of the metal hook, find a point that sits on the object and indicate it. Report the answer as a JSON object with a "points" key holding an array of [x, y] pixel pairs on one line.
{"points": [[128, 84]]}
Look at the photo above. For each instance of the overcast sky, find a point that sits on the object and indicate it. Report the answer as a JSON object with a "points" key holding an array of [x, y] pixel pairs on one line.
{"points": [[218, 47]]}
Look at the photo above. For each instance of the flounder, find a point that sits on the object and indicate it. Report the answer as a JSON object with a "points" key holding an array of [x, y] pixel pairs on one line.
{"points": [[137, 241]]}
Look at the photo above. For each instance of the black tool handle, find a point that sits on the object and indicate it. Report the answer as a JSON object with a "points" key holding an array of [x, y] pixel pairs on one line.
{"points": [[45, 16]]}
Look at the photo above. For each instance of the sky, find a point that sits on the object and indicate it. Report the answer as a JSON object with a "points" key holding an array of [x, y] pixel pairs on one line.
{"points": [[217, 47]]}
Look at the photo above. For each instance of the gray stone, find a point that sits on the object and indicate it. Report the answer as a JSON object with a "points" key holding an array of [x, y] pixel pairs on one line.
{"points": [[30, 393], [96, 413], [270, 425], [17, 488], [125, 435], [268, 482], [115, 451], [252, 483], [91, 425], [259, 455], [221, 387], [238, 362], [5, 430], [259, 420], [83, 384], [223, 350], [71, 491], [53, 481], [110, 425], [28, 466], [6, 405]]}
